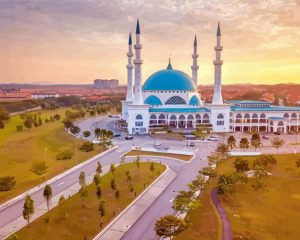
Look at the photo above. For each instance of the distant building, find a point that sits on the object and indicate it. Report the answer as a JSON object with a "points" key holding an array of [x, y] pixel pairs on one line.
{"points": [[41, 95], [104, 83]]}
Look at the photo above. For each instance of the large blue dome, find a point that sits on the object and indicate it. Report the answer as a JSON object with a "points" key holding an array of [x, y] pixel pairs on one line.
{"points": [[169, 79]]}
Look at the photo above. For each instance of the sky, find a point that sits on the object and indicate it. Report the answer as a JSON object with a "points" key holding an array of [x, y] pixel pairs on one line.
{"points": [[72, 41]]}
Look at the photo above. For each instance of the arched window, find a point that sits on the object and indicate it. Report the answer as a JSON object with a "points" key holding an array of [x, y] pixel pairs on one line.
{"points": [[281, 124], [247, 118], [262, 118], [294, 116], [162, 119], [255, 118], [286, 115], [238, 118], [182, 117], [139, 121], [153, 119], [198, 118], [205, 118], [175, 100], [173, 118], [190, 117], [220, 120]]}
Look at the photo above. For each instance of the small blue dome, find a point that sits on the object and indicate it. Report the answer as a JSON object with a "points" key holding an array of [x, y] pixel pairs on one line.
{"points": [[153, 100], [194, 100], [169, 79]]}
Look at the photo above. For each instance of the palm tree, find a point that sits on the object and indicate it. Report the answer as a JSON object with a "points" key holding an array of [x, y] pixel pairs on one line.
{"points": [[47, 194], [277, 143], [244, 143]]}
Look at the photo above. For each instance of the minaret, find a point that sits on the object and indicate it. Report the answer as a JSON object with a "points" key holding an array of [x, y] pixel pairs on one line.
{"points": [[129, 67], [138, 98], [217, 99], [195, 67]]}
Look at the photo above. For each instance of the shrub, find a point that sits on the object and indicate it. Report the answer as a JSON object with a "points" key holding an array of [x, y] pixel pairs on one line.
{"points": [[298, 163], [87, 147], [67, 154], [19, 128], [39, 167], [7, 183]]}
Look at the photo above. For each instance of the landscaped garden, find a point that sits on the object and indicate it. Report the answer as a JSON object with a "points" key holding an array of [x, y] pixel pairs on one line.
{"points": [[263, 206], [85, 214], [160, 154], [36, 146]]}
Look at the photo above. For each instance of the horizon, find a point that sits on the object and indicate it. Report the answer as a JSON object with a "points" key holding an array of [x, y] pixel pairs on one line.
{"points": [[46, 41]]}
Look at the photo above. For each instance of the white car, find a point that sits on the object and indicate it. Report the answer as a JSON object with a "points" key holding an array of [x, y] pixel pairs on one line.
{"points": [[213, 138]]}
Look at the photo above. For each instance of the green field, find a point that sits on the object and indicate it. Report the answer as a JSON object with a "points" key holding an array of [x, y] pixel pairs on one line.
{"points": [[262, 215], [72, 221], [161, 154], [18, 150]]}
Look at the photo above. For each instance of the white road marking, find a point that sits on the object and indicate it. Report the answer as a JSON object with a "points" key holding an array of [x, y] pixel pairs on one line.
{"points": [[60, 184], [172, 199]]}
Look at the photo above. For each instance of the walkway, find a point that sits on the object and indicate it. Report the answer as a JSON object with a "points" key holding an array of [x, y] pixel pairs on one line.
{"points": [[226, 225]]}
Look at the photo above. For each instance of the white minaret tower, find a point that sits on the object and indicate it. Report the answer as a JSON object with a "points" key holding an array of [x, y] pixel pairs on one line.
{"points": [[129, 67], [195, 66], [217, 99], [138, 98]]}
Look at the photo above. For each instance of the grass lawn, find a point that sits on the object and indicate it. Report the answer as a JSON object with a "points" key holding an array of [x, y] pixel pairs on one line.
{"points": [[162, 154], [18, 150], [272, 214], [72, 221], [203, 220]]}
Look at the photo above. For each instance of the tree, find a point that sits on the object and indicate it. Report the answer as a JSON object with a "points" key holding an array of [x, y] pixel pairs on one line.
{"points": [[123, 158], [1, 124], [265, 161], [64, 155], [231, 142], [112, 168], [28, 123], [227, 183], [87, 147], [255, 140], [40, 122], [131, 188], [28, 208], [82, 179], [244, 143], [61, 199], [298, 163], [185, 201], [13, 237], [222, 149], [98, 191], [99, 168], [117, 194], [152, 168], [240, 164], [86, 134], [75, 130], [97, 179], [19, 128], [7, 183], [138, 162], [260, 174], [128, 176], [68, 123], [83, 193], [198, 184], [277, 143], [97, 133], [213, 159], [47, 194], [208, 171], [4, 114], [39, 167], [101, 207], [113, 184], [169, 226]]}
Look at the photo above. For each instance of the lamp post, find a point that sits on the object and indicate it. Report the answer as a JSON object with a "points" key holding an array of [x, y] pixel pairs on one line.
{"points": [[45, 158]]}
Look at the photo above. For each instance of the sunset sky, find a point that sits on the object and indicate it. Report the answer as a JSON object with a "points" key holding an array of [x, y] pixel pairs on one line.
{"points": [[56, 41]]}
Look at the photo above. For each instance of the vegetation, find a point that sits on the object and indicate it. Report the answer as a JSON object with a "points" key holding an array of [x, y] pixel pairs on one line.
{"points": [[7, 183], [148, 153], [47, 195], [169, 226], [255, 140], [28, 209], [87, 147], [64, 155], [244, 143], [277, 143], [70, 221], [231, 142]]}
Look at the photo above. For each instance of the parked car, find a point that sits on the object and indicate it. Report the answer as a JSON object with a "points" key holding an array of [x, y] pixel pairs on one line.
{"points": [[129, 137], [291, 132], [192, 144], [213, 138], [117, 135], [265, 137], [277, 133]]}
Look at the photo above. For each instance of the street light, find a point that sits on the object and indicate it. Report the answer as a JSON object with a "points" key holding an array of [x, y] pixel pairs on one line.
{"points": [[45, 158]]}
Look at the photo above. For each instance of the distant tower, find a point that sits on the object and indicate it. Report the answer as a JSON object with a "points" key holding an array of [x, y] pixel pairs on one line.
{"points": [[195, 67], [129, 67], [217, 99], [138, 98]]}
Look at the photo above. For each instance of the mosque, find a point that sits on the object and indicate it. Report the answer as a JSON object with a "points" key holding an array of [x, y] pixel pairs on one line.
{"points": [[170, 97]]}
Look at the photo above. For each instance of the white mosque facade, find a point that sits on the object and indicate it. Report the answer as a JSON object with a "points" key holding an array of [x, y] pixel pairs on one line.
{"points": [[170, 97]]}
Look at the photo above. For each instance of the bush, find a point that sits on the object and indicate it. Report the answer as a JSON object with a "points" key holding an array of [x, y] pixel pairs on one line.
{"points": [[67, 154], [19, 128], [87, 147], [39, 167], [7, 183], [298, 163]]}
